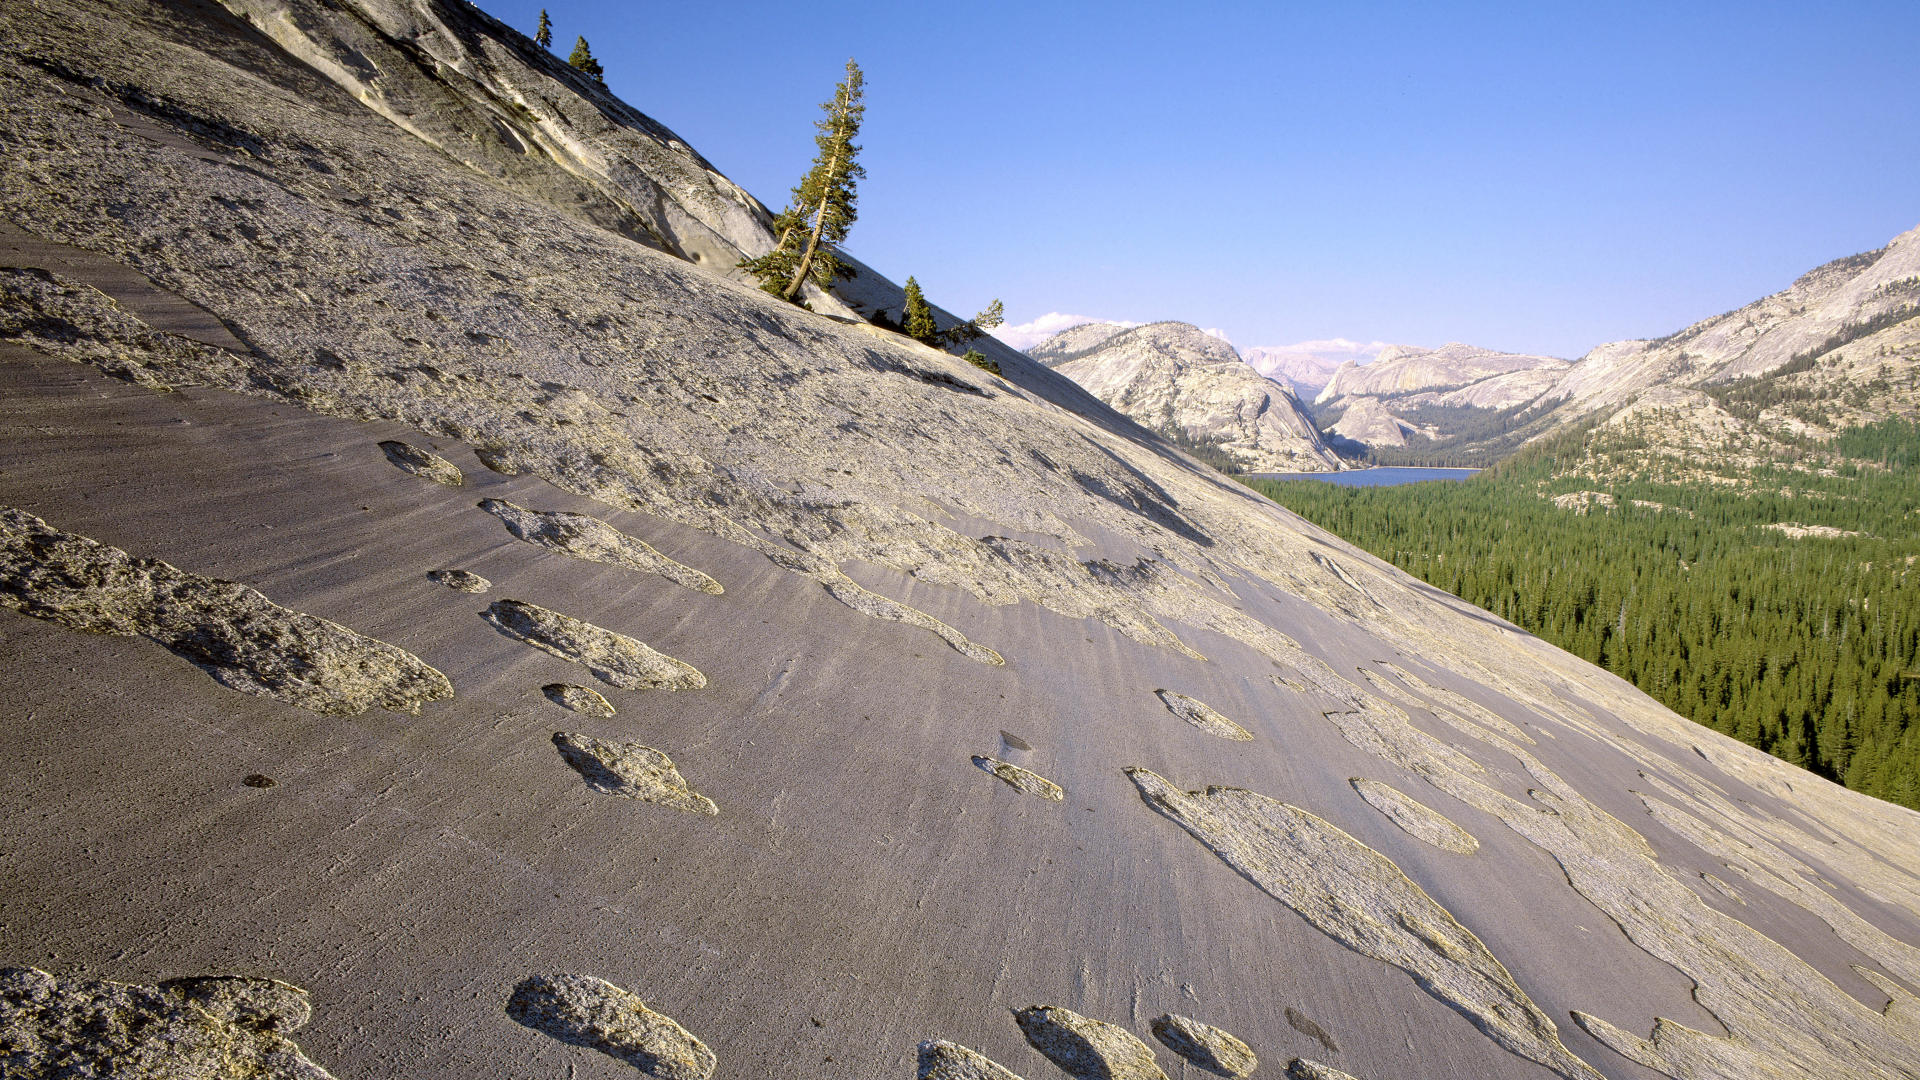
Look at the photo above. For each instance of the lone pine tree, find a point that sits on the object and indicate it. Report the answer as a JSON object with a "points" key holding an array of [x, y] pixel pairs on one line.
{"points": [[582, 58], [543, 34], [823, 205], [917, 318]]}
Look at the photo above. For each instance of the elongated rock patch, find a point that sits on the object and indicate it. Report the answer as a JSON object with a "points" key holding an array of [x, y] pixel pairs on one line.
{"points": [[460, 580], [219, 1028], [1417, 819], [1203, 717], [582, 1010], [423, 463], [614, 658], [581, 699], [1302, 1069], [1085, 1048], [242, 639], [943, 1060], [589, 538], [630, 771], [1358, 897], [1022, 780], [1205, 1046]]}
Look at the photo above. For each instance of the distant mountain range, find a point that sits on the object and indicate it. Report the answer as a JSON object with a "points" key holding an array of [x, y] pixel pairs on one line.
{"points": [[1193, 387], [1835, 349]]}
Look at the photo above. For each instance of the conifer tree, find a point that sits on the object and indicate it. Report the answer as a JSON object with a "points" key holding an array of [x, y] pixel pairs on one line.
{"points": [[543, 35], [823, 205], [975, 328], [917, 318], [582, 59]]}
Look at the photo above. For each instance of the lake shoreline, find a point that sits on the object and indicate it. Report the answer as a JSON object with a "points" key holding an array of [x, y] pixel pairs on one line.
{"points": [[1378, 476]]}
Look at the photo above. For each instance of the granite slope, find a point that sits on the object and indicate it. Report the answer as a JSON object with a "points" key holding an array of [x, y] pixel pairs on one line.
{"points": [[234, 280], [1187, 384]]}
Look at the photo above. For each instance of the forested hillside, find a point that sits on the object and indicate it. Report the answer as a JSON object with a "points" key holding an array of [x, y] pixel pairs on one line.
{"points": [[1784, 611]]}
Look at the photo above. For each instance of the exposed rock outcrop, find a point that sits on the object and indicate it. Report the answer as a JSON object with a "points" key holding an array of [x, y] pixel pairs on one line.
{"points": [[1405, 369], [1176, 379], [319, 277], [1368, 422]]}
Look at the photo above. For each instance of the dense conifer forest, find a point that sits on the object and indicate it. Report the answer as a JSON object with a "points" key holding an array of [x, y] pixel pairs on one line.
{"points": [[1805, 646]]}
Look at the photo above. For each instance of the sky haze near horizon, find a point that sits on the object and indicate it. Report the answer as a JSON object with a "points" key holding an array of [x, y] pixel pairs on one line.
{"points": [[1534, 178]]}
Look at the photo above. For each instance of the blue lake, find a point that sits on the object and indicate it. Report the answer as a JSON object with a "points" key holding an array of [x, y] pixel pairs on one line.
{"points": [[1385, 476]]}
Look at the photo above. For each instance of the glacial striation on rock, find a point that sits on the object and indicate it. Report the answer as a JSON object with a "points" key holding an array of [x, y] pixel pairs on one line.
{"points": [[1416, 819], [1358, 896]]}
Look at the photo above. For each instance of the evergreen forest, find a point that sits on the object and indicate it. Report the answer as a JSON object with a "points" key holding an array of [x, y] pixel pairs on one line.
{"points": [[1807, 647]]}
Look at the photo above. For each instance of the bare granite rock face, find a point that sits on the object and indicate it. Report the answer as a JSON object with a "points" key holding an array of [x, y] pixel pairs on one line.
{"points": [[1180, 381], [586, 537], [1203, 716], [1306, 372], [630, 771], [1368, 422], [236, 635], [1022, 780], [1206, 1046], [1085, 1048], [614, 658], [581, 699], [1407, 369], [243, 249], [423, 463], [214, 1028], [943, 1060], [586, 1011]]}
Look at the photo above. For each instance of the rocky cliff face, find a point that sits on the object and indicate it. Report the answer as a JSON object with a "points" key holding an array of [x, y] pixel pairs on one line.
{"points": [[449, 635], [1369, 423], [1840, 346], [1074, 342], [1405, 369], [1178, 380], [1303, 371]]}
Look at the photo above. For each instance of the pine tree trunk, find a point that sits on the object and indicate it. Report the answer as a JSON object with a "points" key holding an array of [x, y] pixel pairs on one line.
{"points": [[819, 223]]}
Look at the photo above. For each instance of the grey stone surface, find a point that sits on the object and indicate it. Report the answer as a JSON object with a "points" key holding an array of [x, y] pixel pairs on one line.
{"points": [[1085, 1048], [188, 1029], [1206, 1046], [233, 633], [1181, 381], [583, 1010], [917, 556]]}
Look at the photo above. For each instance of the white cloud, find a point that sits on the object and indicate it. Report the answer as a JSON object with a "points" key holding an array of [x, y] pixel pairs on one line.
{"points": [[1331, 348], [1026, 335], [1219, 333]]}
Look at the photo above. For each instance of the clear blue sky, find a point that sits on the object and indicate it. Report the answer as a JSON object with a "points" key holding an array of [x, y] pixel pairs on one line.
{"points": [[1536, 177]]}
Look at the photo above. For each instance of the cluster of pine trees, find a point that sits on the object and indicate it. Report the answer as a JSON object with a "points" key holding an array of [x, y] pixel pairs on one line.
{"points": [[1808, 648]]}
